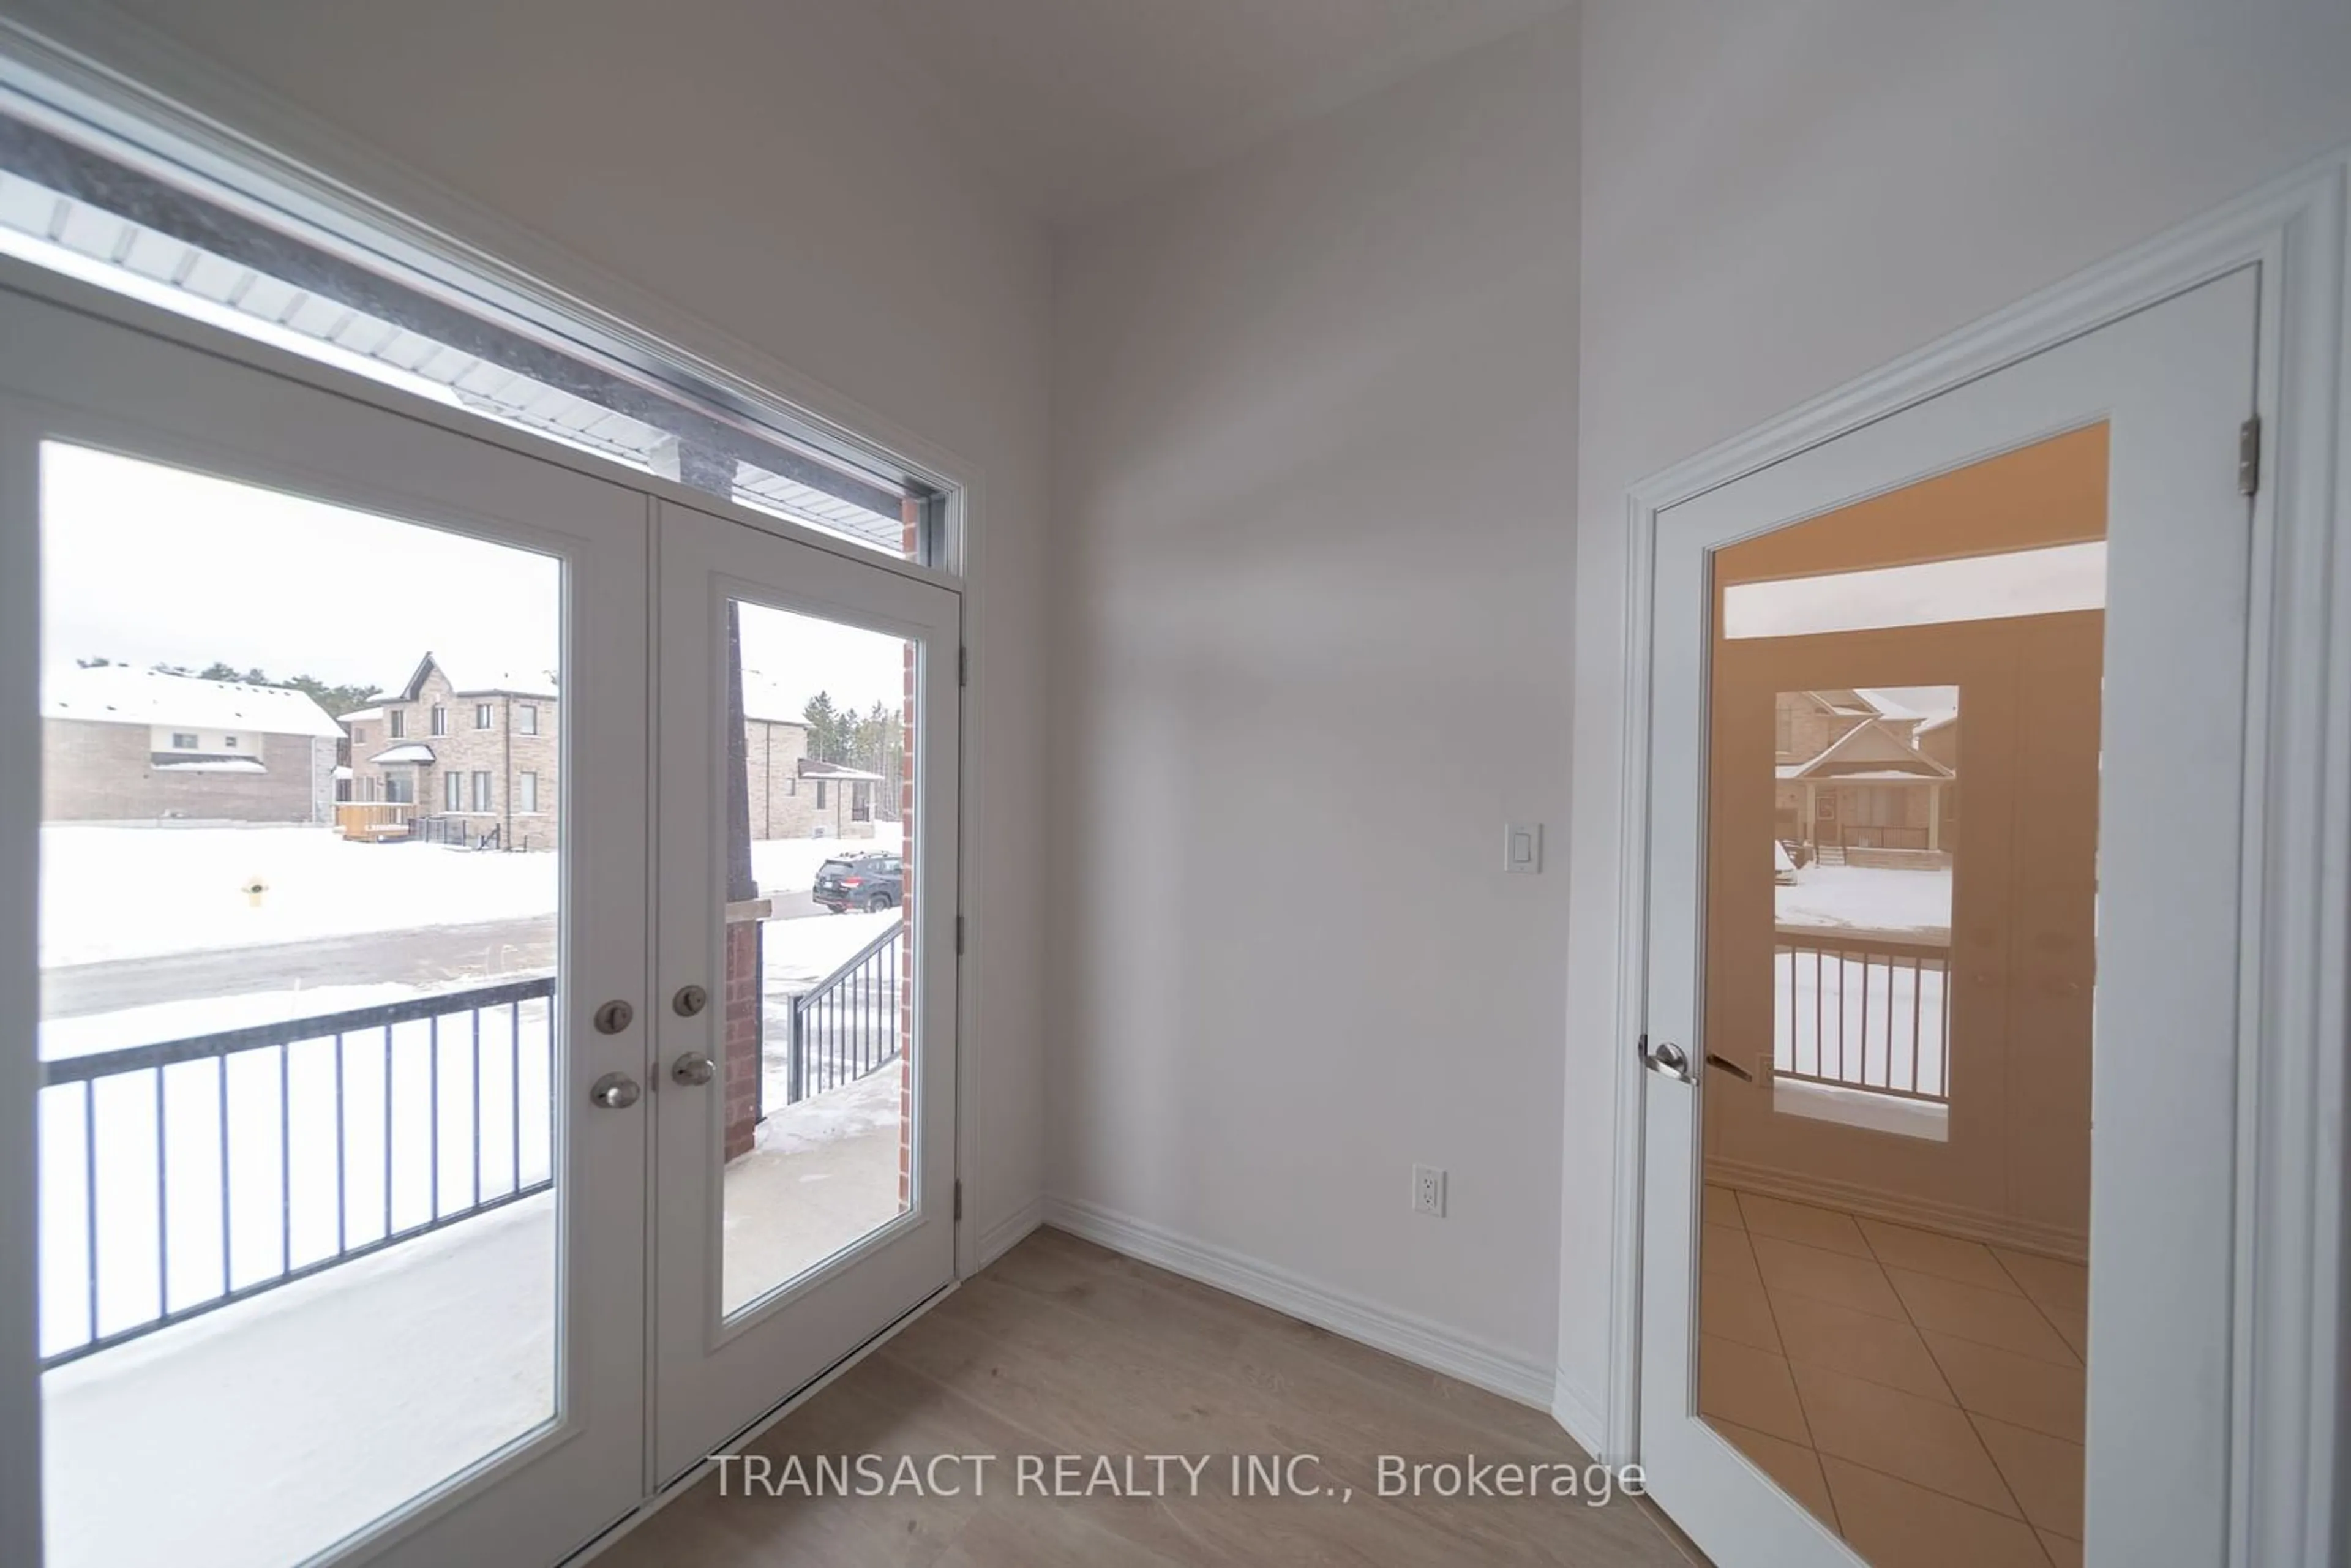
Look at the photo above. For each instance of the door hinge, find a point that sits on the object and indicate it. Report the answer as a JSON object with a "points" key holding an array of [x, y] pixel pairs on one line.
{"points": [[2249, 456], [959, 935], [962, 666], [959, 1197]]}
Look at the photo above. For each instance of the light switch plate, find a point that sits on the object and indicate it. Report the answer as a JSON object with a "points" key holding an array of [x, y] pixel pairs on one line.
{"points": [[1522, 847]]}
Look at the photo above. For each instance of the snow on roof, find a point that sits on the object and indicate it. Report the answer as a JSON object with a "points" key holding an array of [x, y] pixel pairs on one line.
{"points": [[1933, 722], [414, 751], [764, 699], [117, 694], [358, 714], [1884, 704], [809, 769], [483, 682], [1872, 740], [343, 775], [211, 765]]}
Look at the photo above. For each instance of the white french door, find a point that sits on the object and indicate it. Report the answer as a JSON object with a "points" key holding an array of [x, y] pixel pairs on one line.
{"points": [[378, 1172], [2005, 632], [328, 1245], [806, 731]]}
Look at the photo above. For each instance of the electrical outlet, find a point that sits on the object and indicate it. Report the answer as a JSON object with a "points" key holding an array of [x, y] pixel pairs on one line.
{"points": [[1429, 1190]]}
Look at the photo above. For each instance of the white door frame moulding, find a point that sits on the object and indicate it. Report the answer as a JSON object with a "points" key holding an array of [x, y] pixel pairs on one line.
{"points": [[139, 72], [2288, 1419]]}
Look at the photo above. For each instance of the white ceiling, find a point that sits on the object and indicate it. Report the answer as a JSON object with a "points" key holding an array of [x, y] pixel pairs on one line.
{"points": [[1076, 105]]}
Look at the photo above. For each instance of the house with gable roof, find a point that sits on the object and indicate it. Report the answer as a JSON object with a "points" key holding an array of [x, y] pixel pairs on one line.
{"points": [[120, 744]]}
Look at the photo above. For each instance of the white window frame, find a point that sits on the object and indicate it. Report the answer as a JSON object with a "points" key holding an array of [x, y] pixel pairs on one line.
{"points": [[452, 792], [440, 725], [525, 718], [485, 715], [527, 793]]}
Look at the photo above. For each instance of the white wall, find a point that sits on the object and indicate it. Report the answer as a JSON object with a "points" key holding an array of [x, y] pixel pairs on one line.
{"points": [[1313, 477], [684, 161], [1779, 198]]}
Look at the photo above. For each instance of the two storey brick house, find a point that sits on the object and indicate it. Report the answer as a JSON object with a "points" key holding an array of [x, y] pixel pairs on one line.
{"points": [[480, 759]]}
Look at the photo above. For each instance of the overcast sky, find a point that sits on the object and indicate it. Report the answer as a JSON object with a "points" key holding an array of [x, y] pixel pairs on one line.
{"points": [[145, 565]]}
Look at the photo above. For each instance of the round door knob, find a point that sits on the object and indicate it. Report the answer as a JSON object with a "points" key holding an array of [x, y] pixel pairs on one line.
{"points": [[693, 1069], [614, 1092]]}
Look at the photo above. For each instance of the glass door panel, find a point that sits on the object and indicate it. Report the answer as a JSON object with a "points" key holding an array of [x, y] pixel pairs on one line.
{"points": [[819, 1016], [1897, 1141], [329, 830], [807, 897]]}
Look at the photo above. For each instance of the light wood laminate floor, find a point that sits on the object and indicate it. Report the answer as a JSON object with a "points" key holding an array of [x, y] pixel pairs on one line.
{"points": [[1061, 1347]]}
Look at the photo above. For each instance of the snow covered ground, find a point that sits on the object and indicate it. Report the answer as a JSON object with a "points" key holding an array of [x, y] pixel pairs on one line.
{"points": [[124, 892], [1868, 898]]}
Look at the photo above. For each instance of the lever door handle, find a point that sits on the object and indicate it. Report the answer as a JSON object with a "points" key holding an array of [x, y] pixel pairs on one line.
{"points": [[1668, 1059]]}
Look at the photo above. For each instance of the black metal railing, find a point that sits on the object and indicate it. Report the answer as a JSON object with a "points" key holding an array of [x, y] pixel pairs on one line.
{"points": [[213, 1168], [1863, 1012], [848, 1024]]}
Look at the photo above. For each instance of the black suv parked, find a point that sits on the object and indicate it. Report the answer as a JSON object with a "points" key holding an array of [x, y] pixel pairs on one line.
{"points": [[860, 882]]}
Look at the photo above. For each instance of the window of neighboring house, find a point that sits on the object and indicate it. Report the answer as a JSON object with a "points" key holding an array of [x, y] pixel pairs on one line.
{"points": [[1786, 740], [453, 792], [395, 725], [527, 719], [359, 735], [820, 794], [481, 715], [167, 222], [400, 788], [182, 742], [439, 720], [527, 793], [481, 791], [861, 802], [792, 785], [229, 743]]}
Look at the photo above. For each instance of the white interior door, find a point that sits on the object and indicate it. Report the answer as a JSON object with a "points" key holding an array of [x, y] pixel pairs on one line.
{"points": [[2003, 631], [807, 738], [331, 1251]]}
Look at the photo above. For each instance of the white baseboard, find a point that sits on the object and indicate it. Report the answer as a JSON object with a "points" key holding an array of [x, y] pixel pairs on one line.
{"points": [[1582, 1418], [1006, 1233], [1874, 1203], [1402, 1334]]}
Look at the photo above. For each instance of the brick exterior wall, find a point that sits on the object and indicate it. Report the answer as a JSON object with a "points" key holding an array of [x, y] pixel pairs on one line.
{"points": [[94, 771], [503, 751], [739, 1043]]}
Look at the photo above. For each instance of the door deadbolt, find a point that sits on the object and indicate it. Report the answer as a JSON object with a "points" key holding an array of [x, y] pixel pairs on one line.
{"points": [[613, 1017], [689, 1000]]}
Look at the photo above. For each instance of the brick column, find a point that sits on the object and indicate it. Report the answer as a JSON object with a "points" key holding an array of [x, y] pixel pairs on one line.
{"points": [[739, 1040]]}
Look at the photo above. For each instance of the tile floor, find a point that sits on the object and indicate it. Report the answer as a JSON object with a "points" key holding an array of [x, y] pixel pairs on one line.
{"points": [[1922, 1395]]}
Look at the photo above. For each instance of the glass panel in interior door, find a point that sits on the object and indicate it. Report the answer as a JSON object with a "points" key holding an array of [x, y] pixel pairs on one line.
{"points": [[1893, 1268]]}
